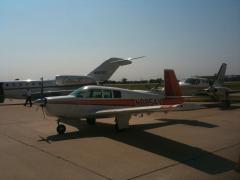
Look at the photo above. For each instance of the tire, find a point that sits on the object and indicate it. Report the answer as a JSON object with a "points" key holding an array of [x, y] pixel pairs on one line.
{"points": [[91, 121], [118, 129], [227, 103], [61, 129]]}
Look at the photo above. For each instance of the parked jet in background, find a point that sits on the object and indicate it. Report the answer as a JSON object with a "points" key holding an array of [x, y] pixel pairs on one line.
{"points": [[62, 84], [93, 102]]}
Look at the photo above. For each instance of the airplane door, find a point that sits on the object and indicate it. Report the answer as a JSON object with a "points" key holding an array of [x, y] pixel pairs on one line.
{"points": [[1, 93]]}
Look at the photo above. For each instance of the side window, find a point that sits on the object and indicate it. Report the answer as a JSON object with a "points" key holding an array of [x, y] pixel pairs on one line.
{"points": [[96, 93], [107, 94], [117, 94]]}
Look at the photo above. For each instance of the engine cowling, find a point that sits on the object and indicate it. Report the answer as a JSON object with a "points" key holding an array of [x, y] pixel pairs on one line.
{"points": [[64, 80]]}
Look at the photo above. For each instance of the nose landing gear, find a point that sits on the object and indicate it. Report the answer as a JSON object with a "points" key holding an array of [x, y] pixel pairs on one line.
{"points": [[60, 128]]}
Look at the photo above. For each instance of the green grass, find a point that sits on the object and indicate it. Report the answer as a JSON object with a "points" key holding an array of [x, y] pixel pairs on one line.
{"points": [[148, 86], [233, 85]]}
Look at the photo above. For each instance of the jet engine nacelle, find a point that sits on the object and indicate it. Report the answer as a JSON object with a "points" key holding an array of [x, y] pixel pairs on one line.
{"points": [[64, 80]]}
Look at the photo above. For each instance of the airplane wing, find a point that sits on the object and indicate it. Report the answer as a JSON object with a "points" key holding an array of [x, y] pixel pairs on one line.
{"points": [[148, 109]]}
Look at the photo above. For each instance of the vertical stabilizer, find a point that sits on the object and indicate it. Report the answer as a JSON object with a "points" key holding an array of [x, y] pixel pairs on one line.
{"points": [[221, 75], [172, 87], [107, 68], [173, 94]]}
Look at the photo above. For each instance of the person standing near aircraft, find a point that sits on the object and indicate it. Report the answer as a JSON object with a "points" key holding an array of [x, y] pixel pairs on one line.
{"points": [[29, 97]]}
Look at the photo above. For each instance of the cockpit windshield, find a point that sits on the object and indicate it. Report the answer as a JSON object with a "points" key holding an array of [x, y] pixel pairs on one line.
{"points": [[81, 92]]}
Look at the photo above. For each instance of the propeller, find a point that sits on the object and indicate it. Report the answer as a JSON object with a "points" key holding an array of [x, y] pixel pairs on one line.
{"points": [[42, 101]]}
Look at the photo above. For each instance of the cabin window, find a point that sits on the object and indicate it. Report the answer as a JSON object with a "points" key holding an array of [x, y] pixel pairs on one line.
{"points": [[117, 94], [96, 93], [107, 94]]}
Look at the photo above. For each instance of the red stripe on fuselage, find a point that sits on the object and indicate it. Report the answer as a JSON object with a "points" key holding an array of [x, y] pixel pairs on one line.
{"points": [[105, 102], [121, 102]]}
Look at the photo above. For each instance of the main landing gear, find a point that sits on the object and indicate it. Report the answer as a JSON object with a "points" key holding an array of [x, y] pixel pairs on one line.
{"points": [[91, 121], [61, 128]]}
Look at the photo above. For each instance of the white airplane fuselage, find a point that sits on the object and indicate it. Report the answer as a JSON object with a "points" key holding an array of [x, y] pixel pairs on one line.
{"points": [[17, 89], [75, 107]]}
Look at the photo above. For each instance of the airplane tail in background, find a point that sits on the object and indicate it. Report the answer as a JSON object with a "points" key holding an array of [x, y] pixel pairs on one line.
{"points": [[221, 75], [172, 89], [108, 67]]}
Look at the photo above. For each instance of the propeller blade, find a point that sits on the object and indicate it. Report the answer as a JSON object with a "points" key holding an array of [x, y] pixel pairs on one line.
{"points": [[42, 87], [43, 113]]}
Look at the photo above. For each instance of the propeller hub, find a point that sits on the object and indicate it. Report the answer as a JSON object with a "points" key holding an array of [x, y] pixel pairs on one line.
{"points": [[41, 102]]}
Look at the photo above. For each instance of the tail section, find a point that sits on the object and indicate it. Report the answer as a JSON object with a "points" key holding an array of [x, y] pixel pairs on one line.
{"points": [[108, 67], [221, 74], [172, 89]]}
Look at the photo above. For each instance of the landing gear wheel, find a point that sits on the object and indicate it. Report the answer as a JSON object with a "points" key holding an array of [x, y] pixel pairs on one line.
{"points": [[91, 121], [227, 103], [118, 129], [61, 129]]}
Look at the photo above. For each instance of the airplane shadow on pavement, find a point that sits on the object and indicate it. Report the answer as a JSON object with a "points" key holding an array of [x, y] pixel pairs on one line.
{"points": [[136, 136]]}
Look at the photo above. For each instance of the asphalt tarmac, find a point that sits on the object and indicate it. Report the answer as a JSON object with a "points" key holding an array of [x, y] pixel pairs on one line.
{"points": [[199, 144]]}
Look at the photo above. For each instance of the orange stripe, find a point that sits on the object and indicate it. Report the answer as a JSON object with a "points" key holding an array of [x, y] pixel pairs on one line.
{"points": [[121, 102], [110, 102]]}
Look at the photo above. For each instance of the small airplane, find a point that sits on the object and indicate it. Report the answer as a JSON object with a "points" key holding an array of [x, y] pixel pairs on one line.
{"points": [[215, 89], [92, 102], [63, 84], [196, 85]]}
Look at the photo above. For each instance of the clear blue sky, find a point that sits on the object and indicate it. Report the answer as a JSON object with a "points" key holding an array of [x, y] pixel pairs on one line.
{"points": [[50, 37]]}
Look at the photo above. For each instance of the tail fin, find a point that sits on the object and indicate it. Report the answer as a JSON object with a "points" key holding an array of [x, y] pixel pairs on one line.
{"points": [[108, 67], [172, 89], [221, 74]]}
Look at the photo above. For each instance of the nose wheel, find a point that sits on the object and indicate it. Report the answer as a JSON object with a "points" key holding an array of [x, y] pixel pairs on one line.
{"points": [[91, 121], [61, 129]]}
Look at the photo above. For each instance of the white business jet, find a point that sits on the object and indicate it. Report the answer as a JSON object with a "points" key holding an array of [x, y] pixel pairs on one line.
{"points": [[62, 84], [92, 102]]}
